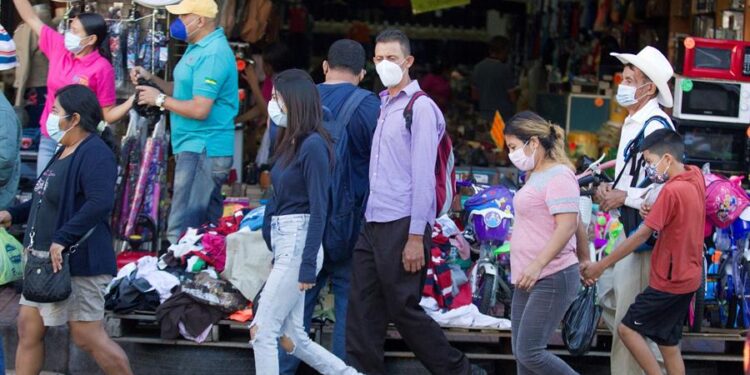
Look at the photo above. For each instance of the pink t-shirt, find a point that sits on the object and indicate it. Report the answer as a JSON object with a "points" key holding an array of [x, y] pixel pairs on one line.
{"points": [[65, 69], [546, 194]]}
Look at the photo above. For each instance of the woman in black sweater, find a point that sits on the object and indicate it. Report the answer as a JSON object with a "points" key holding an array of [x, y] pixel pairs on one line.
{"points": [[300, 176], [73, 196]]}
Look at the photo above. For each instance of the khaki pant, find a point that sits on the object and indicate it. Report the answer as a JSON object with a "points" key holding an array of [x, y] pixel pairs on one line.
{"points": [[618, 288]]}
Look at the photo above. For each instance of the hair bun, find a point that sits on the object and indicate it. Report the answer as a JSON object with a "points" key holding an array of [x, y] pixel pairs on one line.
{"points": [[552, 131]]}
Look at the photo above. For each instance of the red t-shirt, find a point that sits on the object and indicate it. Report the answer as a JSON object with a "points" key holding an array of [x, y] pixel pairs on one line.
{"points": [[678, 215]]}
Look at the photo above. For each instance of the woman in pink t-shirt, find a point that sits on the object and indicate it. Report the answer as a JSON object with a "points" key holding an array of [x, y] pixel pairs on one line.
{"points": [[544, 260], [81, 56]]}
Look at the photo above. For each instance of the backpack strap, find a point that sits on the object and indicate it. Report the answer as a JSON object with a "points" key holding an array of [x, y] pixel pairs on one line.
{"points": [[347, 109], [409, 110], [633, 149]]}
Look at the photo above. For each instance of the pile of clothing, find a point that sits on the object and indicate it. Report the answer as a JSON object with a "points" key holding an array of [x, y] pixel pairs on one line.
{"points": [[447, 291], [447, 281], [203, 248], [210, 274]]}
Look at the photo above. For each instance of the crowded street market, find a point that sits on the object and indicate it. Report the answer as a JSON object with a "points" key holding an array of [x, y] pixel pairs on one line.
{"points": [[375, 187]]}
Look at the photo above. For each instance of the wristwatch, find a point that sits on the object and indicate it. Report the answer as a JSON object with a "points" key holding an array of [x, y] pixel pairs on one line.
{"points": [[160, 100]]}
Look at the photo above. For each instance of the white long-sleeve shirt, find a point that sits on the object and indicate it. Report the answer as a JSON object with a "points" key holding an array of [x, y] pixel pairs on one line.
{"points": [[630, 129]]}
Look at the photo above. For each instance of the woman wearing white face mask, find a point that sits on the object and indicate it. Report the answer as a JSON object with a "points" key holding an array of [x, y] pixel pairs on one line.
{"points": [[544, 260], [73, 197], [81, 56]]}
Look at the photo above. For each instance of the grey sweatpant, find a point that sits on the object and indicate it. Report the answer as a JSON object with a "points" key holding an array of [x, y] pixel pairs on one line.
{"points": [[534, 317]]}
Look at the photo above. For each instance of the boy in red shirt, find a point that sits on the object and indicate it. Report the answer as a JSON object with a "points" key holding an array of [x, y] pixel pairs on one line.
{"points": [[678, 216]]}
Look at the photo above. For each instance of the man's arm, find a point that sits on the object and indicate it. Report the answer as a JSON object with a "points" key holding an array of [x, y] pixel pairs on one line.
{"points": [[140, 72], [9, 146]]}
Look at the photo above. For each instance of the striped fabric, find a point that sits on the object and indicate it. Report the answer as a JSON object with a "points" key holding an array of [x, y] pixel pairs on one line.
{"points": [[7, 50]]}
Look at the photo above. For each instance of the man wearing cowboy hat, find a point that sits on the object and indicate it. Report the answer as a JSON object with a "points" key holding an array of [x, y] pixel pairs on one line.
{"points": [[644, 88]]}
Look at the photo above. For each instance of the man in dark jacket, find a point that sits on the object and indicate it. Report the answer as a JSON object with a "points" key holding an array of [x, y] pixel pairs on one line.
{"points": [[10, 131]]}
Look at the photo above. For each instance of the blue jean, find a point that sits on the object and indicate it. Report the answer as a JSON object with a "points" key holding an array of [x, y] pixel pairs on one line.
{"points": [[340, 274], [47, 148], [197, 191], [534, 317], [281, 305]]}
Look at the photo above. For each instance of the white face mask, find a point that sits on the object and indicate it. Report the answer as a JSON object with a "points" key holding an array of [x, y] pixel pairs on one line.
{"points": [[276, 114], [390, 73], [73, 42], [522, 161], [53, 127], [626, 95]]}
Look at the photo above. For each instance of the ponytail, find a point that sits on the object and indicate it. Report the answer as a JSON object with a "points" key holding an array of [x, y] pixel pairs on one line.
{"points": [[527, 125], [94, 24]]}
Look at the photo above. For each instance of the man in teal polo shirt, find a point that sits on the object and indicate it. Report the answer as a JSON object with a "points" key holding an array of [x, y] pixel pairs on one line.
{"points": [[203, 101]]}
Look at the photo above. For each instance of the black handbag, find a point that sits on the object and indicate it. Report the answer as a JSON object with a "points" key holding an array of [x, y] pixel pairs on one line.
{"points": [[40, 283]]}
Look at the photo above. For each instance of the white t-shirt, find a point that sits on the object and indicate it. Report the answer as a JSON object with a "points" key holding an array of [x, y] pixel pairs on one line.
{"points": [[630, 129]]}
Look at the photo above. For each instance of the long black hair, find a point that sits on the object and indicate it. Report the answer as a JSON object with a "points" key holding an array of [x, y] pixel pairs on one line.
{"points": [[94, 24], [304, 113], [81, 100]]}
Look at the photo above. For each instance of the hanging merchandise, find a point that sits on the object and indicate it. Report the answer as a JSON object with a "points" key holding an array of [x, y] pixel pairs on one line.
{"points": [[116, 27], [228, 12], [147, 196], [133, 32], [130, 159], [154, 53], [256, 20]]}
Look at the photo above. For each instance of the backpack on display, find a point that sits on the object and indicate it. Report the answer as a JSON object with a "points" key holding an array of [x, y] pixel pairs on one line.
{"points": [[725, 199], [445, 163], [344, 213]]}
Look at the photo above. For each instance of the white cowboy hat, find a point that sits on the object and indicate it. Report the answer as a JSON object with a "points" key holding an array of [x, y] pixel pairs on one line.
{"points": [[656, 67]]}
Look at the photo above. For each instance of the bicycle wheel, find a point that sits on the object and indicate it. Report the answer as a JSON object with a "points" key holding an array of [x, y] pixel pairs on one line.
{"points": [[487, 283]]}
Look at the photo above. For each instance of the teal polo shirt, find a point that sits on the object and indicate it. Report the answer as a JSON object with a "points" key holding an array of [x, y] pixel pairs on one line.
{"points": [[207, 69]]}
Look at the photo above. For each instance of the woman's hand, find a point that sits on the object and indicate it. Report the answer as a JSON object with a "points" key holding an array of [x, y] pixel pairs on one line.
{"points": [[5, 219], [529, 276], [582, 266], [55, 255], [303, 287]]}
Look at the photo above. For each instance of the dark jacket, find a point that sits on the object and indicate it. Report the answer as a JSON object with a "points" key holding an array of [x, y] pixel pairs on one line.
{"points": [[89, 196]]}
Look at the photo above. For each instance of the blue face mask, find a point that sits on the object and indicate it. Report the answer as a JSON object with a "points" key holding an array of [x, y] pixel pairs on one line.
{"points": [[179, 30], [53, 127]]}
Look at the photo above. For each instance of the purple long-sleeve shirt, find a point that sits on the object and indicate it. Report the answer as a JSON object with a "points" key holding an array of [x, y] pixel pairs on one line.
{"points": [[402, 164]]}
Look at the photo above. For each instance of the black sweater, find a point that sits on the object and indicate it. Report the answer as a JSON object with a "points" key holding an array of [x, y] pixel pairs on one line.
{"points": [[301, 187]]}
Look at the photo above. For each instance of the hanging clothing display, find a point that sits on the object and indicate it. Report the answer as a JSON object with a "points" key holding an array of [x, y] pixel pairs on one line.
{"points": [[148, 189]]}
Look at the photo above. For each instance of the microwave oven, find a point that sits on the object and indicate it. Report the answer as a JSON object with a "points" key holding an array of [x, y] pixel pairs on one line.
{"points": [[724, 146], [712, 100], [713, 58]]}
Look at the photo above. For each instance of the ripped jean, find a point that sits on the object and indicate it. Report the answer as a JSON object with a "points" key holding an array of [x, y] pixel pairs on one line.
{"points": [[282, 304]]}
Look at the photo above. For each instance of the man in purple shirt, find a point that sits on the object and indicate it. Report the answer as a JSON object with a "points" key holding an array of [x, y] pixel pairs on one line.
{"points": [[389, 258]]}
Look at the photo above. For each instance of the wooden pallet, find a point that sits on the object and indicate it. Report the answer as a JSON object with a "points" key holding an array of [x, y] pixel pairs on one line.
{"points": [[478, 343], [142, 327]]}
